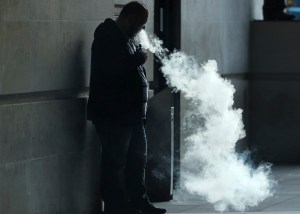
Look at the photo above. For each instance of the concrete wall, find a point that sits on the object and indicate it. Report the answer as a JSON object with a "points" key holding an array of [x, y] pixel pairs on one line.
{"points": [[49, 153], [214, 29]]}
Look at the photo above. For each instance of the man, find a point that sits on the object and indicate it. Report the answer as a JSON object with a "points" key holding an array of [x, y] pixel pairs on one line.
{"points": [[273, 11], [117, 106]]}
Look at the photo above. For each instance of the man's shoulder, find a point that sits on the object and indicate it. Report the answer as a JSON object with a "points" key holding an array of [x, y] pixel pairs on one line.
{"points": [[107, 29]]}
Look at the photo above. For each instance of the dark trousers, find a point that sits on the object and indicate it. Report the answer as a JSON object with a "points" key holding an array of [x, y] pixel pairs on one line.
{"points": [[124, 157]]}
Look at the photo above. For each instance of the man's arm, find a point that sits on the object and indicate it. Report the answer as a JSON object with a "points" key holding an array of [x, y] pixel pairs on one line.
{"points": [[111, 53]]}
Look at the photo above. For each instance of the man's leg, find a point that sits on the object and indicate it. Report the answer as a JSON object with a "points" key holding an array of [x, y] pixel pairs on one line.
{"points": [[273, 10], [115, 139], [135, 171], [275, 4], [136, 164]]}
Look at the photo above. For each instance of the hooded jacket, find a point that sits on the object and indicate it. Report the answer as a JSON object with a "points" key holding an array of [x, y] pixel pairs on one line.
{"points": [[118, 79]]}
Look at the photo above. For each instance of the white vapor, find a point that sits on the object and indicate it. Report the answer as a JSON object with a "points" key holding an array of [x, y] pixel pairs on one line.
{"points": [[210, 166]]}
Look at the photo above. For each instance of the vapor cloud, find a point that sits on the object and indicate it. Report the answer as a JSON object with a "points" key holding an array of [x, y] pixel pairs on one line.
{"points": [[210, 166]]}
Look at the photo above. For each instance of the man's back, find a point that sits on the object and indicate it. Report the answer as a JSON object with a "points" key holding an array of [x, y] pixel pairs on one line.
{"points": [[115, 82]]}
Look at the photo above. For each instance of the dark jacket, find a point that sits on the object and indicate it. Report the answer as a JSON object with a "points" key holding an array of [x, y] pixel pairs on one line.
{"points": [[116, 80]]}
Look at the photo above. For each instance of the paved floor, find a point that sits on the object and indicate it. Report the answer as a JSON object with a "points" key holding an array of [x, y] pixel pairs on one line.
{"points": [[285, 201]]}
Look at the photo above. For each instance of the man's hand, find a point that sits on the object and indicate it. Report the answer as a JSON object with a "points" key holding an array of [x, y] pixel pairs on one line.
{"points": [[145, 55], [141, 55]]}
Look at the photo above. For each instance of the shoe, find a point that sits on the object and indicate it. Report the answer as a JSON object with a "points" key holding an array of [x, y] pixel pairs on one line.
{"points": [[123, 210], [148, 208], [277, 16]]}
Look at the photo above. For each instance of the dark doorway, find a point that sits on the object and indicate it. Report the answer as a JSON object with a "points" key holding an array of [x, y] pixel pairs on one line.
{"points": [[163, 125]]}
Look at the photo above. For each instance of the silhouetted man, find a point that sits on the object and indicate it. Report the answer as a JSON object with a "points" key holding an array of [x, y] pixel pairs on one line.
{"points": [[117, 106], [273, 11]]}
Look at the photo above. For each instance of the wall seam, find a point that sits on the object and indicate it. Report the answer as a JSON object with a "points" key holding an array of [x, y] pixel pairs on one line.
{"points": [[43, 96]]}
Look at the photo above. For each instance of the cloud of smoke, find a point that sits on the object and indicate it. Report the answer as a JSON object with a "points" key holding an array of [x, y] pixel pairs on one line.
{"points": [[210, 166], [151, 43]]}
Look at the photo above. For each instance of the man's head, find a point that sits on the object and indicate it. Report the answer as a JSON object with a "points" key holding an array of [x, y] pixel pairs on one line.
{"points": [[133, 18]]}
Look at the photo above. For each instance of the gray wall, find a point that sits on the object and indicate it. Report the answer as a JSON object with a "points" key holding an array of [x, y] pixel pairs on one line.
{"points": [[214, 29], [256, 9], [49, 153]]}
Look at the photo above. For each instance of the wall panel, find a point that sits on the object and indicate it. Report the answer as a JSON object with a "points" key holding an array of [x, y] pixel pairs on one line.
{"points": [[213, 29], [49, 154]]}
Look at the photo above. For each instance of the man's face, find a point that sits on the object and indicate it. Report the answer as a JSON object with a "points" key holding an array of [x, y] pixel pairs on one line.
{"points": [[137, 23]]}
